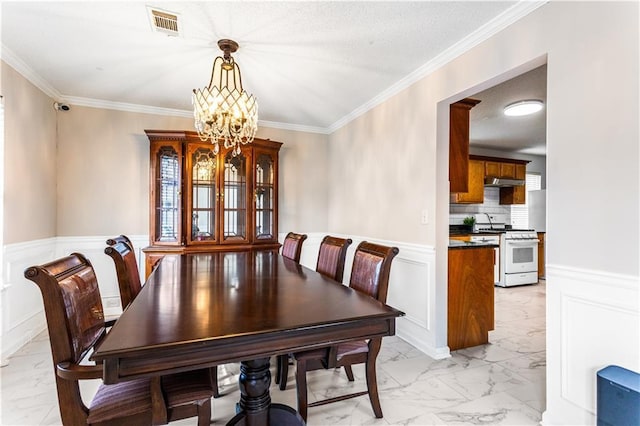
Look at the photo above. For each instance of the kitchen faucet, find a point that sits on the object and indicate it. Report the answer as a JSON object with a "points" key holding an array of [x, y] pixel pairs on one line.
{"points": [[490, 223]]}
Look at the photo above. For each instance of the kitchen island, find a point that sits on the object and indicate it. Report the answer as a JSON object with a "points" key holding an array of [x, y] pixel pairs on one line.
{"points": [[470, 296]]}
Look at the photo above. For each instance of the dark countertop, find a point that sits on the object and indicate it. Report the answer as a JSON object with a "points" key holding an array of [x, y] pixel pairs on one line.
{"points": [[461, 232], [464, 230], [457, 244]]}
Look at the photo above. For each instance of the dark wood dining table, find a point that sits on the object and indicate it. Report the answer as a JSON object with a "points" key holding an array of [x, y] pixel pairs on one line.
{"points": [[205, 309]]}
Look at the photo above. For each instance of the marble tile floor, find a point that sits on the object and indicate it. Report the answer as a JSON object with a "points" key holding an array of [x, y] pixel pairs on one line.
{"points": [[501, 383]]}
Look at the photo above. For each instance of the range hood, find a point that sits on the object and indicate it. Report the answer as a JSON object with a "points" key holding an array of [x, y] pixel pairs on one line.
{"points": [[502, 182]]}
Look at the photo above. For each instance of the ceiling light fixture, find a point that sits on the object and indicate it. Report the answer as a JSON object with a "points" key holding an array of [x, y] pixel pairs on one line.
{"points": [[223, 111], [526, 107]]}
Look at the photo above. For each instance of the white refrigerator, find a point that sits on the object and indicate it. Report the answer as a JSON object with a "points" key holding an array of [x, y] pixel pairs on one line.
{"points": [[537, 204]]}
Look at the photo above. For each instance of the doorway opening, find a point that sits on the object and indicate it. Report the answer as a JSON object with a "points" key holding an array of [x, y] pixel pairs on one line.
{"points": [[518, 341]]}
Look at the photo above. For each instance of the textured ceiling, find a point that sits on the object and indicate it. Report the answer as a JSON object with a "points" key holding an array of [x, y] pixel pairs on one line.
{"points": [[490, 128], [312, 65]]}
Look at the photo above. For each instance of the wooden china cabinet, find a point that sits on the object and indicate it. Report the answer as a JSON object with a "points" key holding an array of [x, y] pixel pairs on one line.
{"points": [[202, 202]]}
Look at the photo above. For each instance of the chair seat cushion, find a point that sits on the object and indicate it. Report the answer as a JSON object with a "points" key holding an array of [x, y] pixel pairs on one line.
{"points": [[120, 400], [321, 353], [352, 348], [186, 388]]}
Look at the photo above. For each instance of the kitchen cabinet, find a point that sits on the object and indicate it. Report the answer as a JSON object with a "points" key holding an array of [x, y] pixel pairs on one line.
{"points": [[515, 194], [470, 297], [459, 144], [500, 169], [460, 237], [541, 236], [492, 168], [202, 202], [506, 168], [475, 185], [520, 171]]}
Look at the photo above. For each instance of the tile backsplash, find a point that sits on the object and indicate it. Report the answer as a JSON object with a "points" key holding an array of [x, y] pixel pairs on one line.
{"points": [[491, 205]]}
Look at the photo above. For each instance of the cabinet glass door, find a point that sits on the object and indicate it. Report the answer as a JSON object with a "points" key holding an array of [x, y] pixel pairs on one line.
{"points": [[204, 191], [264, 196], [234, 196], [167, 200]]}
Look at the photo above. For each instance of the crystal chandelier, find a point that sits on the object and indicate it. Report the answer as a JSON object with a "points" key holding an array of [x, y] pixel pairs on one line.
{"points": [[223, 111]]}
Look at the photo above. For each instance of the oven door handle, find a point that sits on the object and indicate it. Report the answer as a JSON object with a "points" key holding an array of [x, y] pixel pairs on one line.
{"points": [[521, 242]]}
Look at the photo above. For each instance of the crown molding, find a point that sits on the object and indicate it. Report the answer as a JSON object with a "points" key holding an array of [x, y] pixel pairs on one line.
{"points": [[123, 106], [502, 21], [27, 72], [145, 109], [294, 127], [508, 17]]}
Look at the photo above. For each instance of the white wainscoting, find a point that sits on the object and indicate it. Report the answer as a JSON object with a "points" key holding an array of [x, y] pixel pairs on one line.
{"points": [[593, 321], [411, 287], [22, 308]]}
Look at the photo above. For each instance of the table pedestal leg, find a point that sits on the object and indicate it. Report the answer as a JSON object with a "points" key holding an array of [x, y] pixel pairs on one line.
{"points": [[255, 379], [255, 401]]}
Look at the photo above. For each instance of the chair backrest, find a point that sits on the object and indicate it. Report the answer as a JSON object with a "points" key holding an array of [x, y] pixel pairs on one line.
{"points": [[75, 319], [331, 257], [371, 267], [292, 247], [126, 270], [120, 239]]}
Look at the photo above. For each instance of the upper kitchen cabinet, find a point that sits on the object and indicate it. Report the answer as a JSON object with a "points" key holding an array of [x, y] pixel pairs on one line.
{"points": [[503, 168], [515, 194], [200, 201], [500, 169], [459, 144], [484, 171], [475, 194]]}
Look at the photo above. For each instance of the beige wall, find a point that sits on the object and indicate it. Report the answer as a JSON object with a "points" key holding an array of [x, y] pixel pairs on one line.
{"points": [[29, 160], [381, 172], [303, 180], [103, 170]]}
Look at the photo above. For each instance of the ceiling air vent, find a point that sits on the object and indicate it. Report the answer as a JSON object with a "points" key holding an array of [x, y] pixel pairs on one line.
{"points": [[164, 22]]}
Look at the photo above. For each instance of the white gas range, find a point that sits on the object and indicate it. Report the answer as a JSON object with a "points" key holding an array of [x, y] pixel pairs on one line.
{"points": [[517, 257]]}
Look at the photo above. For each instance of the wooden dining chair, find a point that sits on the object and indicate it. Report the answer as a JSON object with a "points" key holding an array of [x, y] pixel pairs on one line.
{"points": [[331, 257], [75, 320], [129, 283], [127, 271], [120, 239], [370, 276], [292, 246]]}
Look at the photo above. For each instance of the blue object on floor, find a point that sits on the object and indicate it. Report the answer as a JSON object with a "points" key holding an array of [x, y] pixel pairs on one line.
{"points": [[618, 397]]}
